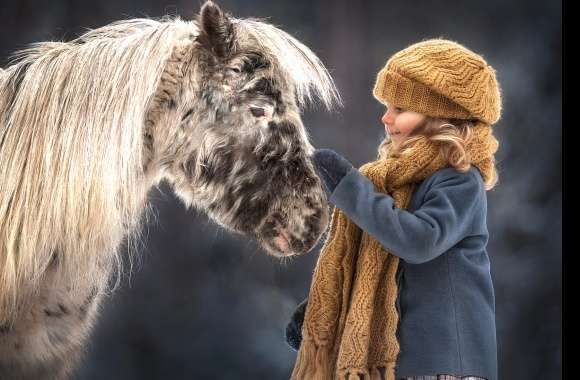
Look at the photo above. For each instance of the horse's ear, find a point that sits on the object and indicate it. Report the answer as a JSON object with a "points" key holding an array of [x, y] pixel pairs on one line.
{"points": [[217, 31]]}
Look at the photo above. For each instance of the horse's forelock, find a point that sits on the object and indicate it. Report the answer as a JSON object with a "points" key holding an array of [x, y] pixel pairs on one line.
{"points": [[295, 62]]}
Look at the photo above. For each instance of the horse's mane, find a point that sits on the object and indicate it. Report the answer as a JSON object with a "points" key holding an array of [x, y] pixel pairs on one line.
{"points": [[71, 146], [71, 126]]}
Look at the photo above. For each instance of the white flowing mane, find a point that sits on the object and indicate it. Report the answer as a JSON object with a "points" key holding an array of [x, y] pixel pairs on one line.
{"points": [[71, 145]]}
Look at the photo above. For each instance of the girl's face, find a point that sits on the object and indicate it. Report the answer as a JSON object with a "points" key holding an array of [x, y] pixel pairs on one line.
{"points": [[400, 123]]}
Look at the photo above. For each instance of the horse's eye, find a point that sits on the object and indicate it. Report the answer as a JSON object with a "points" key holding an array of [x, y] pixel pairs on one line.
{"points": [[235, 70], [257, 111]]}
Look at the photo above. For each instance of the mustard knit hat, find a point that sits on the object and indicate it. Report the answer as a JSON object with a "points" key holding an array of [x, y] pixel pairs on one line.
{"points": [[440, 78]]}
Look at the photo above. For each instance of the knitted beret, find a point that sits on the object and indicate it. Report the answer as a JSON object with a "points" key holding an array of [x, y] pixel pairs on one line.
{"points": [[440, 78]]}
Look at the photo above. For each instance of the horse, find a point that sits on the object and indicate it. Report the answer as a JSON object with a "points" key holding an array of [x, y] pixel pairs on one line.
{"points": [[210, 105]]}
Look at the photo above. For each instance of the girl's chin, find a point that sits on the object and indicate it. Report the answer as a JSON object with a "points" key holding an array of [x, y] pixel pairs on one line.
{"points": [[396, 142]]}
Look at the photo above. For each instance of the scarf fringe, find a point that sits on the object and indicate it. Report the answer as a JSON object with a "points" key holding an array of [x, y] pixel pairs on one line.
{"points": [[314, 363], [306, 368], [383, 372]]}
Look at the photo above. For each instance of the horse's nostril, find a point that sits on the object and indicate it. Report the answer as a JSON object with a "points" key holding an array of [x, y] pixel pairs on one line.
{"points": [[257, 111]]}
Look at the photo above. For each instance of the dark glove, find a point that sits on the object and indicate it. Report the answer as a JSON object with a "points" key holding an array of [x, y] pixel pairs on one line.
{"points": [[294, 328], [331, 167]]}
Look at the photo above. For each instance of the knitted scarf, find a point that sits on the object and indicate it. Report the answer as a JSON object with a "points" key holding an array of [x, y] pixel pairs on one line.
{"points": [[351, 320]]}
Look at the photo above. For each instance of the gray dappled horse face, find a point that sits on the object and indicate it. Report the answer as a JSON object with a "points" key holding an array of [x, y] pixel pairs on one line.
{"points": [[242, 153]]}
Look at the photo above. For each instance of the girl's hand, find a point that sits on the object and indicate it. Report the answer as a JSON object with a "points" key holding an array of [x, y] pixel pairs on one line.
{"points": [[331, 167], [294, 327]]}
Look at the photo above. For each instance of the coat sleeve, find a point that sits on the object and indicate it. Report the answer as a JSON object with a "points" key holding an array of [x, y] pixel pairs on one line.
{"points": [[445, 217]]}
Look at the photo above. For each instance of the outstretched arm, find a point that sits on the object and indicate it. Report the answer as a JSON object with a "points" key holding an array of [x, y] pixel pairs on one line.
{"points": [[445, 217]]}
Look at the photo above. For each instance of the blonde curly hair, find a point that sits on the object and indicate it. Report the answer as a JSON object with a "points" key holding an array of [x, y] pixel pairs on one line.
{"points": [[453, 135]]}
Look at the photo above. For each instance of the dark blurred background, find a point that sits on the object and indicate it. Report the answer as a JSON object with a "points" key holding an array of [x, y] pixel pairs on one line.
{"points": [[207, 305]]}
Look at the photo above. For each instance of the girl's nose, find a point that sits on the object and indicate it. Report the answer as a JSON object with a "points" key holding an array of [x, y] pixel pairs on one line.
{"points": [[387, 118]]}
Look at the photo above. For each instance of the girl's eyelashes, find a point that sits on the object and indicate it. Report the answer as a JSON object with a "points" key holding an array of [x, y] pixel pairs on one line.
{"points": [[397, 109]]}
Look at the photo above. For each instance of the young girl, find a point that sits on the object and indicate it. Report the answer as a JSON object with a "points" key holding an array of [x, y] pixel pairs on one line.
{"points": [[402, 288]]}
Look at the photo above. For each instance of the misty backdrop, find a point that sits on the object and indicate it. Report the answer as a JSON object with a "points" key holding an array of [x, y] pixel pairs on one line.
{"points": [[203, 304]]}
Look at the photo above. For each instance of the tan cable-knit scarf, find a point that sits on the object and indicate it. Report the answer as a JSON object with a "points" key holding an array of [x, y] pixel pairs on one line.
{"points": [[351, 320]]}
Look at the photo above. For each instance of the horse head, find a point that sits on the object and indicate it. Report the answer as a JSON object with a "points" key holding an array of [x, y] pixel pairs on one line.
{"points": [[226, 130]]}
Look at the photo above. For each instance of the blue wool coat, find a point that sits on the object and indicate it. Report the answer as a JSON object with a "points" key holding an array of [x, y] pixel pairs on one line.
{"points": [[446, 298]]}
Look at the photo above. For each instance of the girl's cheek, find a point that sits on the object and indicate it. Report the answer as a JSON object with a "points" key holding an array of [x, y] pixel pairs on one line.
{"points": [[405, 119], [408, 121]]}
